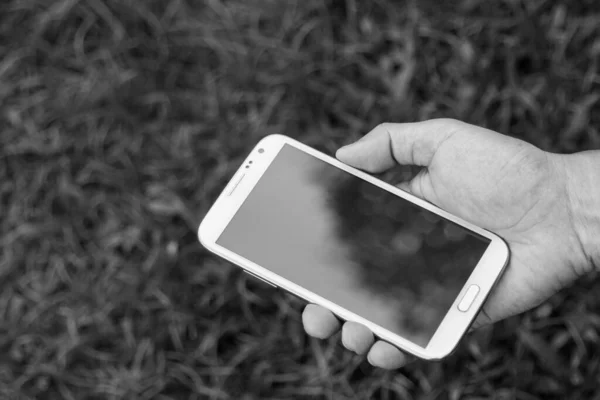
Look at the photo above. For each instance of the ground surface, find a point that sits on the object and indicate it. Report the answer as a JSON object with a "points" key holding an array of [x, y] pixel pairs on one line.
{"points": [[120, 121]]}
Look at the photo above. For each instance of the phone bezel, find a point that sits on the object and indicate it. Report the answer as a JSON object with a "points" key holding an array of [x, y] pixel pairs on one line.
{"points": [[454, 325]]}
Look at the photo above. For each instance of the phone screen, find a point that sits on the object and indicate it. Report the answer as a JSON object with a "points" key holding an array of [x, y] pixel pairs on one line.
{"points": [[355, 244]]}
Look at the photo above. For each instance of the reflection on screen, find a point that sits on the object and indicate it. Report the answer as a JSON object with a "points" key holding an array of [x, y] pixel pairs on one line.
{"points": [[357, 245]]}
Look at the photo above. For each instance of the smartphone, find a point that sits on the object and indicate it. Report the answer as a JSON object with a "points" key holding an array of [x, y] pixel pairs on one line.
{"points": [[335, 236]]}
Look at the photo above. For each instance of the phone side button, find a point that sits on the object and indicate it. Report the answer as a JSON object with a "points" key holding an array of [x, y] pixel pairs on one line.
{"points": [[468, 298], [260, 279]]}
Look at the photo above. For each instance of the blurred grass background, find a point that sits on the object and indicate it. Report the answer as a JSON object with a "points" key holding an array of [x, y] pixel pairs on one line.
{"points": [[121, 120]]}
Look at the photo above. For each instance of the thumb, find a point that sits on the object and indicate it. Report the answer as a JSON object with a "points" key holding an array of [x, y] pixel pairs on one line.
{"points": [[389, 144]]}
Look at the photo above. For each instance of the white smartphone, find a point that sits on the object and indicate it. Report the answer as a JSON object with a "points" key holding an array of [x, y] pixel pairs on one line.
{"points": [[302, 221]]}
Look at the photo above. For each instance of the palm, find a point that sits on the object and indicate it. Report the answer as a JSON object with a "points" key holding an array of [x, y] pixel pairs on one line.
{"points": [[513, 189], [496, 182]]}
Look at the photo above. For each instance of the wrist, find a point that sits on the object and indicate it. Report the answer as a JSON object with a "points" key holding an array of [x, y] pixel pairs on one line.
{"points": [[582, 191]]}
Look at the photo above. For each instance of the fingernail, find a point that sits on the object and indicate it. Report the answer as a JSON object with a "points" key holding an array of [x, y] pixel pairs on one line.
{"points": [[370, 359], [345, 151], [345, 343]]}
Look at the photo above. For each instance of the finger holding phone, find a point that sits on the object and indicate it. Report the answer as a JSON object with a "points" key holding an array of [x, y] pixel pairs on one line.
{"points": [[546, 206]]}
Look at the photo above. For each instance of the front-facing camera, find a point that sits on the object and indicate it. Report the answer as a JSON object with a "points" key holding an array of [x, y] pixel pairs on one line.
{"points": [[261, 150]]}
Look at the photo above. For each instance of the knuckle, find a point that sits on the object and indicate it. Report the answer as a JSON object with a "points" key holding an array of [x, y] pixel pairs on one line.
{"points": [[447, 121], [386, 127], [448, 124]]}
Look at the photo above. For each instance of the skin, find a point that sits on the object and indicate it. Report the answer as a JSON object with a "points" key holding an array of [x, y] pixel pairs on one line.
{"points": [[546, 206]]}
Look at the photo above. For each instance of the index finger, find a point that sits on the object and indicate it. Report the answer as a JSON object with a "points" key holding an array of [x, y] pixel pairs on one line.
{"points": [[389, 144]]}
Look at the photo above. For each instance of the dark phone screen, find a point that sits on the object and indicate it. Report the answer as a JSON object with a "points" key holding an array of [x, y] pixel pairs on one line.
{"points": [[355, 244]]}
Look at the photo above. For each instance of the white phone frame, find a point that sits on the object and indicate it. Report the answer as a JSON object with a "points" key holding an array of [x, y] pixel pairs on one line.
{"points": [[454, 325]]}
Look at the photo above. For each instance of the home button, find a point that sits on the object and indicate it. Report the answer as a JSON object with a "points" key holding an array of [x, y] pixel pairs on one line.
{"points": [[468, 298]]}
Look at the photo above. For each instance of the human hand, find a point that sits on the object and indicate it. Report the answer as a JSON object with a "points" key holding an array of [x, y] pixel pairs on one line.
{"points": [[494, 181]]}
